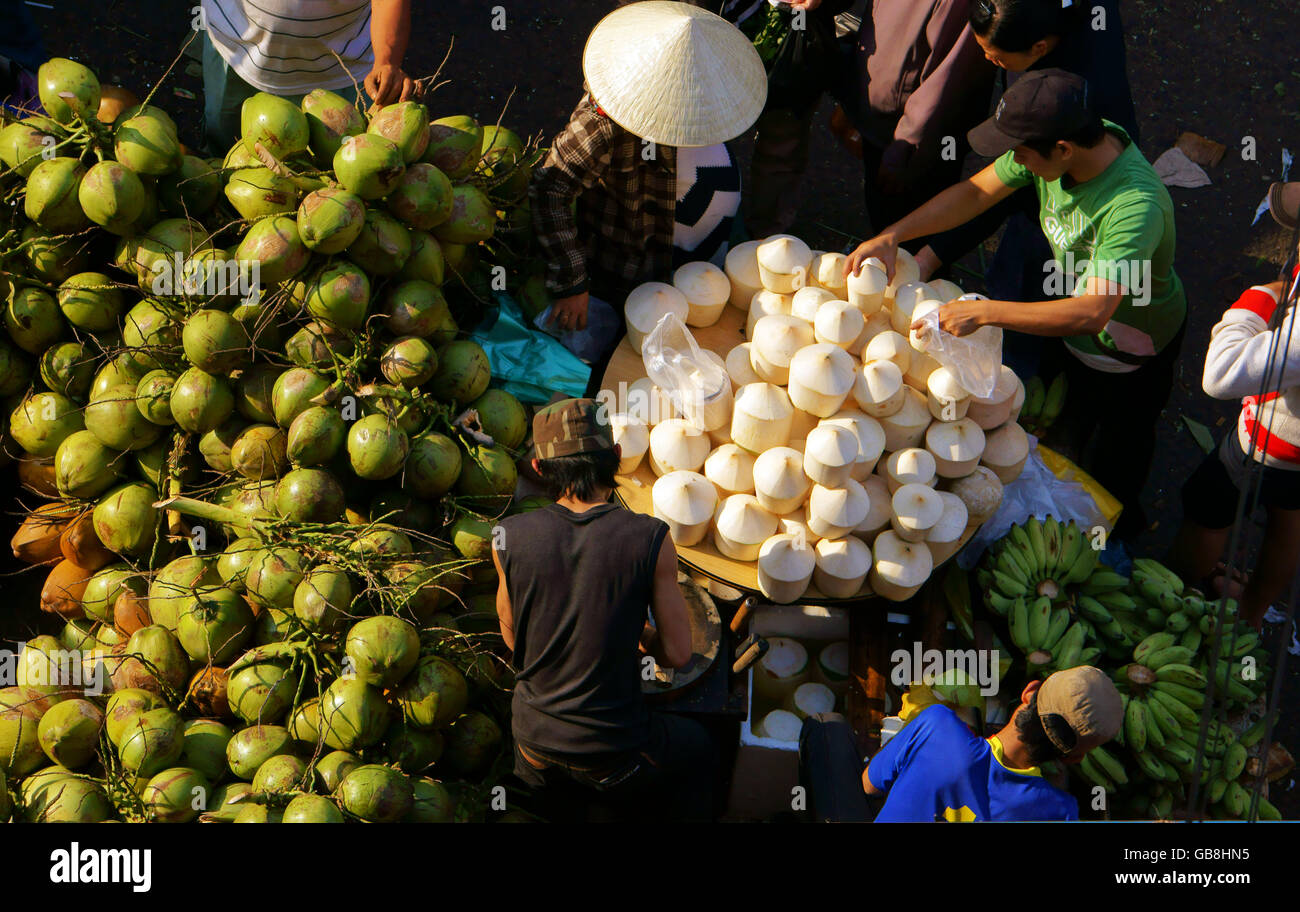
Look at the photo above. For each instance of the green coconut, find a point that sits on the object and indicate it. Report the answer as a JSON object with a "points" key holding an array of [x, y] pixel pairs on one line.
{"points": [[124, 708], [279, 125], [406, 123], [369, 165], [252, 746], [330, 119], [68, 368], [148, 329], [214, 625], [147, 145], [502, 417], [472, 740], [304, 722], [191, 190], [251, 501], [408, 362], [463, 372], [69, 732], [353, 714], [273, 626], [103, 588], [380, 541], [310, 495], [413, 750], [383, 649], [272, 244], [376, 794], [272, 576], [206, 741], [432, 803], [256, 193], [376, 448], [78, 634], [418, 308], [423, 198], [488, 476], [323, 599], [33, 319], [52, 258], [406, 511], [293, 391], [119, 371], [281, 773], [339, 296], [52, 199], [504, 164], [319, 345], [308, 808], [315, 436], [472, 537], [455, 145], [153, 397], [432, 466], [90, 301], [261, 693], [116, 421], [176, 795], [253, 392], [383, 245], [57, 795], [232, 564], [172, 589], [201, 401], [154, 661], [152, 742], [417, 587], [425, 263], [473, 218], [331, 769], [214, 341], [23, 145], [59, 77], [216, 445], [15, 374], [126, 520], [112, 196], [330, 219], [155, 255], [434, 695], [84, 468], [253, 812], [259, 452]]}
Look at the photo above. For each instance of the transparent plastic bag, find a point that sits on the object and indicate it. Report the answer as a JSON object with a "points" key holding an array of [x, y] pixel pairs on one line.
{"points": [[1035, 492], [697, 385], [975, 360], [592, 343]]}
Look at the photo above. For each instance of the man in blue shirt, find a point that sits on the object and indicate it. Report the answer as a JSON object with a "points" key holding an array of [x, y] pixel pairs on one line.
{"points": [[938, 769]]}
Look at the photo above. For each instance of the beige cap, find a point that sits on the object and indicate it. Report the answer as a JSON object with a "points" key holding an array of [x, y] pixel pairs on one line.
{"points": [[1087, 701], [674, 74]]}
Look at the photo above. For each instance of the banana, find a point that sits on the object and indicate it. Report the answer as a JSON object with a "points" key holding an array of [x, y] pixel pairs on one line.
{"points": [[1019, 539], [1056, 628], [1186, 675], [1092, 773], [1020, 625], [1040, 619], [998, 603], [1155, 734], [1093, 610], [1035, 398], [1068, 650], [1186, 716], [1216, 788], [1052, 539], [1166, 721], [1007, 566], [1162, 806], [1170, 654], [1088, 656], [1104, 579], [1037, 543], [1237, 800], [1154, 618], [1153, 643], [1072, 543], [1193, 606], [1084, 564], [1192, 699], [1178, 622], [1251, 736], [1168, 603], [1154, 767], [1109, 765], [1156, 569], [1115, 600], [1054, 400], [1266, 810], [1135, 724], [1234, 760], [1244, 643], [1191, 639], [1008, 585], [1180, 755]]}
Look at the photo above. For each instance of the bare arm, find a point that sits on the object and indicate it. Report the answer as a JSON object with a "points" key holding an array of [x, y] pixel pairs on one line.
{"points": [[390, 25], [669, 641], [866, 783], [505, 613], [1082, 315]]}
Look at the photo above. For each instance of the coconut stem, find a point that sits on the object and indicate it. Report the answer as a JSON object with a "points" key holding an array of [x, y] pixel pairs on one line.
{"points": [[200, 510]]}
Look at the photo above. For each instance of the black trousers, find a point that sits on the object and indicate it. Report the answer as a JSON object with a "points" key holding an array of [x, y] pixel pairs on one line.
{"points": [[1108, 426], [920, 185]]}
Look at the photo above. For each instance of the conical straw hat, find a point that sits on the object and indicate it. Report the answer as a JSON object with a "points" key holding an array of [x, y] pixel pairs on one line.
{"points": [[674, 74]]}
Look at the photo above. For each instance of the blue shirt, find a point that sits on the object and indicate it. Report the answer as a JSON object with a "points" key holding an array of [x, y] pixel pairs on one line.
{"points": [[936, 768]]}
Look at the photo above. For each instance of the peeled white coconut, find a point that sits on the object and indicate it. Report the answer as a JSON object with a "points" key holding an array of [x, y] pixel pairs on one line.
{"points": [[839, 323], [779, 725], [900, 567], [947, 399], [981, 492], [741, 267], [761, 417], [800, 426], [827, 271], [832, 667], [906, 272], [706, 289], [720, 436], [649, 403], [878, 388], [731, 468], [646, 304], [877, 323], [783, 263], [779, 480], [1017, 401], [782, 668], [810, 699], [911, 465], [866, 287], [906, 427], [807, 301], [923, 364], [685, 501], [944, 290], [821, 377], [945, 536], [676, 445], [740, 526], [906, 298], [633, 435], [766, 304], [777, 339], [995, 410], [917, 508], [889, 346], [1005, 451], [836, 512], [956, 447], [785, 568], [830, 454], [796, 523], [738, 367], [842, 567], [880, 510], [870, 435]]}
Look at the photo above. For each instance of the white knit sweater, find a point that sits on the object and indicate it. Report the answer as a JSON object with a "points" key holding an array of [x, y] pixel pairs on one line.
{"points": [[1235, 365]]}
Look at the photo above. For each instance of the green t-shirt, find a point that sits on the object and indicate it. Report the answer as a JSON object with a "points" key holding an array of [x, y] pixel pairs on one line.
{"points": [[1117, 226]]}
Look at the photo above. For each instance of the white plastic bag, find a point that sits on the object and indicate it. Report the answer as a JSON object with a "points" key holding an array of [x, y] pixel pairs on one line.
{"points": [[1035, 492], [589, 344], [975, 360], [698, 387]]}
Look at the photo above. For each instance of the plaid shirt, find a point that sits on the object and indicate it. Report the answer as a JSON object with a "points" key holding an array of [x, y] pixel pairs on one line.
{"points": [[603, 213]]}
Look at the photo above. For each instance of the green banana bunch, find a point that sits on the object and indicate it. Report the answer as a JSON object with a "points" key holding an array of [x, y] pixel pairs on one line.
{"points": [[1054, 401], [1035, 397]]}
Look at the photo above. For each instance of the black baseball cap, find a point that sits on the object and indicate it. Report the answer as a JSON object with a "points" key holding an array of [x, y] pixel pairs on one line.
{"points": [[1040, 105]]}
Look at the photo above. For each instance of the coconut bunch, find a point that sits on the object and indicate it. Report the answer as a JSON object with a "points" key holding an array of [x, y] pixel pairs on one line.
{"points": [[847, 459]]}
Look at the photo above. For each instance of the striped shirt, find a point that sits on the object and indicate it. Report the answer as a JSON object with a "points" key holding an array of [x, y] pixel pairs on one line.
{"points": [[288, 47]]}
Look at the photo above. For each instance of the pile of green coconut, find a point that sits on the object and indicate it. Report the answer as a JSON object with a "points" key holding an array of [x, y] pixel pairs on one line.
{"points": [[260, 459]]}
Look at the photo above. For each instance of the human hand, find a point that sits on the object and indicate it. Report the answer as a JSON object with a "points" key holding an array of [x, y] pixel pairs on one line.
{"points": [[388, 83], [570, 314], [809, 5], [959, 318], [883, 246]]}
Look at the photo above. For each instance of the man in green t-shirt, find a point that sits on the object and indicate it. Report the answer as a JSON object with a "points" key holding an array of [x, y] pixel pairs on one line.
{"points": [[1110, 294]]}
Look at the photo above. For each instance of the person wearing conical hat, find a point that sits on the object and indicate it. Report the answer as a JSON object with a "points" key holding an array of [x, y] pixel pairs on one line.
{"points": [[640, 180]]}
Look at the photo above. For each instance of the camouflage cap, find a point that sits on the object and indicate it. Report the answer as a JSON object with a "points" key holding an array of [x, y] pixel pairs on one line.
{"points": [[571, 426]]}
